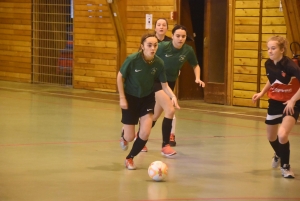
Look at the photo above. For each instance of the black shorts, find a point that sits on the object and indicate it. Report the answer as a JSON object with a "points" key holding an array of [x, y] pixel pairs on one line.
{"points": [[137, 107], [275, 112], [157, 85]]}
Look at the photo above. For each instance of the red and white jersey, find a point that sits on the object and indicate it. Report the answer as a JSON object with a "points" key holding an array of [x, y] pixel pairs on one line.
{"points": [[284, 78]]}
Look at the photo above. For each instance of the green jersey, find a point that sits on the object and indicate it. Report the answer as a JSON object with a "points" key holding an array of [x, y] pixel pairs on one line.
{"points": [[175, 58], [139, 76]]}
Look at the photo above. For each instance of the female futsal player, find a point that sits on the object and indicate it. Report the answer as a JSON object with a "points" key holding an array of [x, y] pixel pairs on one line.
{"points": [[135, 84], [283, 90]]}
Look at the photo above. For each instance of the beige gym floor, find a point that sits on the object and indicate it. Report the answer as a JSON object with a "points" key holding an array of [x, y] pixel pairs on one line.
{"points": [[62, 144]]}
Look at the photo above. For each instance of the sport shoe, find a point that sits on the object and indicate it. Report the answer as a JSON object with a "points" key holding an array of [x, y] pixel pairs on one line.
{"points": [[168, 151], [287, 172], [145, 149], [172, 140], [123, 143], [129, 164], [275, 161]]}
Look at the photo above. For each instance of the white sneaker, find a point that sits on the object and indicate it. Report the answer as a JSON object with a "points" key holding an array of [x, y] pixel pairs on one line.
{"points": [[123, 143], [275, 161], [287, 172], [129, 164]]}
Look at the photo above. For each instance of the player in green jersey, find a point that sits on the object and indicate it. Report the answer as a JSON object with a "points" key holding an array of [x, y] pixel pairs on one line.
{"points": [[135, 84], [174, 54]]}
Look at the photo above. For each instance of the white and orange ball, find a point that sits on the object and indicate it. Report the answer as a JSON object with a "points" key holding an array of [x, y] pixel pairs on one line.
{"points": [[158, 171]]}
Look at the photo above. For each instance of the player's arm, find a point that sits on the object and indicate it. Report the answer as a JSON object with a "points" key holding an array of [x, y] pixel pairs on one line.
{"points": [[257, 96], [120, 84], [170, 93], [197, 72]]}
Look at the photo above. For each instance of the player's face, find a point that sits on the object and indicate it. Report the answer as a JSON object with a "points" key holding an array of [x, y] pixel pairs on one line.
{"points": [[274, 51], [179, 38], [149, 47], [161, 27]]}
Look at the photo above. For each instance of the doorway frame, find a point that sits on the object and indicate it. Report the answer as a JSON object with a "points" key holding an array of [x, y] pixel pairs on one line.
{"points": [[229, 59]]}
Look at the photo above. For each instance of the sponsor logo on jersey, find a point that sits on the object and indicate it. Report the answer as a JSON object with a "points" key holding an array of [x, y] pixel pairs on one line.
{"points": [[153, 70]]}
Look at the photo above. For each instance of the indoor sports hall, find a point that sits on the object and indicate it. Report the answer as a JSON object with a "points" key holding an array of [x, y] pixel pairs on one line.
{"points": [[63, 144]]}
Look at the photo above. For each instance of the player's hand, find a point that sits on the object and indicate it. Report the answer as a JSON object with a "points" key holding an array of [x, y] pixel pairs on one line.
{"points": [[289, 108], [175, 102], [123, 103], [257, 96], [200, 82]]}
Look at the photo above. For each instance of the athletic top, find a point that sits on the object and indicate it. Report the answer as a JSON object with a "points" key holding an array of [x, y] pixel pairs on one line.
{"points": [[166, 38], [284, 78], [139, 76], [175, 58]]}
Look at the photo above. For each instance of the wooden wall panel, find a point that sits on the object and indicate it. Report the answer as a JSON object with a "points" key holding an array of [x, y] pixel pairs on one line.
{"points": [[15, 40], [95, 46], [136, 13], [255, 21]]}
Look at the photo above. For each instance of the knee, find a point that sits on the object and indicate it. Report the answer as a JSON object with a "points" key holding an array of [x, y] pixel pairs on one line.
{"points": [[170, 112], [283, 137], [130, 137], [144, 135]]}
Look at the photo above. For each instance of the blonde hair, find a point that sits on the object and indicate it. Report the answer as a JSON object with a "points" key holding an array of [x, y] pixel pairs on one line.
{"points": [[281, 41]]}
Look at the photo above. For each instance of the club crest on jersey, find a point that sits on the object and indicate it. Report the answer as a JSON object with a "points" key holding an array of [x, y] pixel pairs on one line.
{"points": [[181, 58], [153, 70], [283, 74]]}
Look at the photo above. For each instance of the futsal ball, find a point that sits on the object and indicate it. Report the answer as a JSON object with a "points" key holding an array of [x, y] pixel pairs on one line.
{"points": [[158, 171]]}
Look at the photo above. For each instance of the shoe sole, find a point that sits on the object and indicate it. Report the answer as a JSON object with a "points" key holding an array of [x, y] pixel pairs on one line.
{"points": [[144, 150], [173, 155], [289, 177]]}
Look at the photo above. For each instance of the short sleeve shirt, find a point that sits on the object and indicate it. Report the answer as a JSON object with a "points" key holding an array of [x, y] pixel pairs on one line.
{"points": [[284, 78], [139, 76], [175, 58]]}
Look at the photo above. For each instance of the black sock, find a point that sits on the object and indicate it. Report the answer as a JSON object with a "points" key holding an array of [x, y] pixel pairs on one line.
{"points": [[166, 131], [153, 123], [138, 145], [284, 153], [275, 146]]}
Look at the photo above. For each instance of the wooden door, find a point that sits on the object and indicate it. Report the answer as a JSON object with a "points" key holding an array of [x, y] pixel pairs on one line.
{"points": [[214, 60], [192, 17]]}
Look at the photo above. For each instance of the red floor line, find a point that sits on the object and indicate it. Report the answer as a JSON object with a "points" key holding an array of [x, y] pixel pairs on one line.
{"points": [[101, 141], [227, 198], [110, 109]]}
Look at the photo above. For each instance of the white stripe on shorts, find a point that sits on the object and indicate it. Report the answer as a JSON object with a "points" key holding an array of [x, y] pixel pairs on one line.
{"points": [[272, 117]]}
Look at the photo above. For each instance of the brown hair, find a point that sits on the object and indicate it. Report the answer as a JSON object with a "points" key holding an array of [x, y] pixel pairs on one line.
{"points": [[179, 26], [281, 41], [144, 37]]}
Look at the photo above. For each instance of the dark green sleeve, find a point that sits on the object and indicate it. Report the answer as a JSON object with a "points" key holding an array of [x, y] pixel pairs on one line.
{"points": [[125, 67], [192, 59]]}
